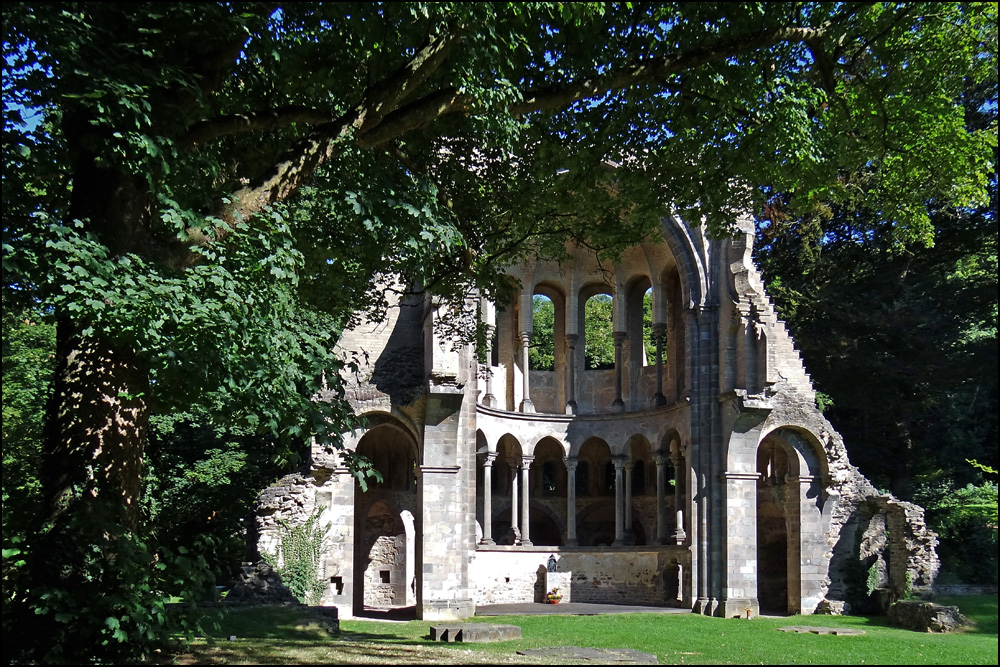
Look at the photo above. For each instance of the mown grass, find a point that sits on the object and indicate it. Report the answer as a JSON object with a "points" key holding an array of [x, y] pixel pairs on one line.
{"points": [[289, 635]]}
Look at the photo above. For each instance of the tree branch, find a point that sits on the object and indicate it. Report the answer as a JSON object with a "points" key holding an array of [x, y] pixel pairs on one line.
{"points": [[265, 121], [377, 119], [562, 95]]}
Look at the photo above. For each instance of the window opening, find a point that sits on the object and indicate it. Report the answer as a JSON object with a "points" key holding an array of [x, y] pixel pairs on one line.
{"points": [[648, 340], [598, 324], [582, 478], [541, 352], [548, 478]]}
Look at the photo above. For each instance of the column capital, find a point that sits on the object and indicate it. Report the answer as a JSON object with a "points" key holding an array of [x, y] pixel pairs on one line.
{"points": [[629, 463], [659, 329], [619, 460], [619, 336], [571, 462], [489, 458], [661, 458], [572, 339], [526, 460], [525, 337]]}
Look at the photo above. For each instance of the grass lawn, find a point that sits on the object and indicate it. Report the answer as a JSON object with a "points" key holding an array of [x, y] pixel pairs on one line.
{"points": [[277, 635]]}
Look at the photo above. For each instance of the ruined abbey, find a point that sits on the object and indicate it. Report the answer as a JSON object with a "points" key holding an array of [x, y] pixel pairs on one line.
{"points": [[701, 475]]}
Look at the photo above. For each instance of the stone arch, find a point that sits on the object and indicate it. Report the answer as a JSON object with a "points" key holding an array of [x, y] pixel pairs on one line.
{"points": [[595, 504], [639, 450], [812, 457], [483, 443], [509, 452], [384, 554], [690, 267], [548, 474]]}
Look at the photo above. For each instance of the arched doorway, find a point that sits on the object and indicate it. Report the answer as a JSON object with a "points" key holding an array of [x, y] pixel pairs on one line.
{"points": [[778, 562], [384, 535]]}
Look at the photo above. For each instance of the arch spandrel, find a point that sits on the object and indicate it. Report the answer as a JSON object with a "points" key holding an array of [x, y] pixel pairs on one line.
{"points": [[540, 438]]}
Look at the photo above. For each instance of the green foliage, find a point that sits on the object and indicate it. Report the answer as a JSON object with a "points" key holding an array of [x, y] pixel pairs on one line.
{"points": [[599, 350], [220, 188], [300, 548], [965, 519], [542, 351], [86, 611], [28, 361], [823, 401], [202, 480], [871, 581], [649, 340]]}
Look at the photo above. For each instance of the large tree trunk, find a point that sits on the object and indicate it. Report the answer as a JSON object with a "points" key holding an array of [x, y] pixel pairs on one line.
{"points": [[96, 425]]}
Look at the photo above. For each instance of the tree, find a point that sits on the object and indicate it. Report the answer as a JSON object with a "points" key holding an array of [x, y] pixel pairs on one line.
{"points": [[211, 189]]}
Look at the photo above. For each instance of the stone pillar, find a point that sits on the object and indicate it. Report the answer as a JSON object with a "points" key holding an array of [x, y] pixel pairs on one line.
{"points": [[659, 333], [571, 409], [677, 460], [488, 311], [618, 405], [526, 404], [571, 540], [629, 534], [661, 497], [488, 498], [619, 462], [525, 500], [515, 531]]}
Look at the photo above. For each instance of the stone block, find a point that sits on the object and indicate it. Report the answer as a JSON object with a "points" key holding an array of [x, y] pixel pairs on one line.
{"points": [[476, 633], [926, 616]]}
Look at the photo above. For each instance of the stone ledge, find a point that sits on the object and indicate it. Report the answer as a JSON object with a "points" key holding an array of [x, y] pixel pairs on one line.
{"points": [[477, 633]]}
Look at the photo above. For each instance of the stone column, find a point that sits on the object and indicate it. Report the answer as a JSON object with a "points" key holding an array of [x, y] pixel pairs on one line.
{"points": [[677, 460], [526, 404], [661, 497], [488, 498], [571, 463], [618, 405], [619, 462], [513, 504], [659, 333], [571, 340], [629, 534], [488, 311], [525, 500]]}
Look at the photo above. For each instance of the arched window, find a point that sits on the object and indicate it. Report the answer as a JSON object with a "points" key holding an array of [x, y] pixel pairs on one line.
{"points": [[648, 340], [598, 324], [541, 352]]}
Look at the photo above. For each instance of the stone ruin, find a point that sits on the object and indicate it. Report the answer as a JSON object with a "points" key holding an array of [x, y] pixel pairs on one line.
{"points": [[697, 472]]}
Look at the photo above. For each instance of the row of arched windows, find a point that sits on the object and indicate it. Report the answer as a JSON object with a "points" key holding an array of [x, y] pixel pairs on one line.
{"points": [[599, 346]]}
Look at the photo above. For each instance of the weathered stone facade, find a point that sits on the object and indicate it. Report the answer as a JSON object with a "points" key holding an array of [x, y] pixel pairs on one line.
{"points": [[701, 476]]}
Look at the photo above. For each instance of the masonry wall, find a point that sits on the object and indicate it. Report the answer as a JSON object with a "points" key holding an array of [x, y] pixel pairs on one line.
{"points": [[633, 576]]}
